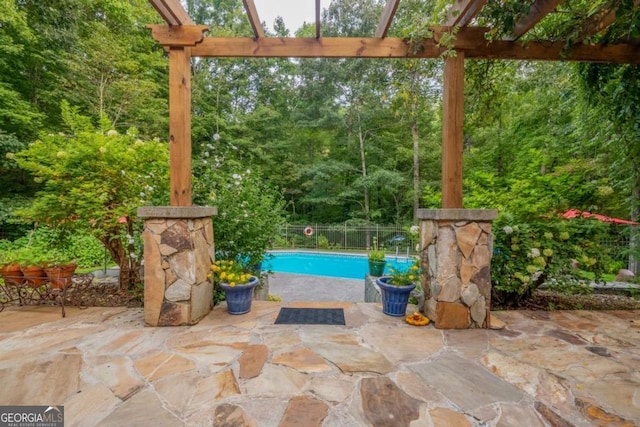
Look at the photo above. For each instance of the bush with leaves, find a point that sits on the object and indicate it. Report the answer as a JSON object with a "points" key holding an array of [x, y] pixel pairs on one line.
{"points": [[54, 245], [529, 254], [250, 211], [95, 179]]}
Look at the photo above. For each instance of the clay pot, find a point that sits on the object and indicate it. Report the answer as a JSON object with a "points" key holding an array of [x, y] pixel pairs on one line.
{"points": [[34, 275], [60, 276], [12, 274]]}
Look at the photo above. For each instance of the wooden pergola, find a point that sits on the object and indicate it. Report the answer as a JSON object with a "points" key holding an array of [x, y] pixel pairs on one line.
{"points": [[183, 39]]}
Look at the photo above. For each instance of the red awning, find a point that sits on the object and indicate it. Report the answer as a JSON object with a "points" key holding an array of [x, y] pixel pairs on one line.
{"points": [[575, 213]]}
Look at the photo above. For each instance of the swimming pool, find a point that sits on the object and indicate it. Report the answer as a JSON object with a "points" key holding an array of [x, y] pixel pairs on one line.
{"points": [[348, 266]]}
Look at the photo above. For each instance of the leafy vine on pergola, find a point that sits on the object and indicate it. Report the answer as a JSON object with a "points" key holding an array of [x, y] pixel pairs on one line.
{"points": [[604, 31]]}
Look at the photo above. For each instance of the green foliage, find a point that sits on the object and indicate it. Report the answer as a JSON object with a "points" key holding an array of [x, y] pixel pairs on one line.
{"points": [[526, 255], [376, 253], [230, 272], [250, 211], [404, 277], [323, 242], [45, 245], [92, 180]]}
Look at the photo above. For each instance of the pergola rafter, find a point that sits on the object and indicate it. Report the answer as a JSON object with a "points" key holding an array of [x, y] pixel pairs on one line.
{"points": [[386, 18], [318, 33], [601, 19], [172, 12], [539, 9], [252, 14], [462, 12]]}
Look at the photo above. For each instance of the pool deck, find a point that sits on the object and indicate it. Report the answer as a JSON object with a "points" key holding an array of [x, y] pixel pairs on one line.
{"points": [[565, 368], [298, 287]]}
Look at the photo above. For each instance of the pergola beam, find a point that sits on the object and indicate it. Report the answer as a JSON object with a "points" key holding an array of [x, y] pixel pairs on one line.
{"points": [[337, 47], [254, 20], [462, 12], [539, 9], [386, 18], [172, 12]]}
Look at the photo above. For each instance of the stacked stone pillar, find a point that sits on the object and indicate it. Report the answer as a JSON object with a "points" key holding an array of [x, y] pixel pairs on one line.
{"points": [[178, 252], [456, 246]]}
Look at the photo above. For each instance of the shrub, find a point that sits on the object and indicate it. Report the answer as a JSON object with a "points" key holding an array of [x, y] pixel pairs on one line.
{"points": [[323, 242], [528, 255], [94, 180], [250, 211], [49, 244]]}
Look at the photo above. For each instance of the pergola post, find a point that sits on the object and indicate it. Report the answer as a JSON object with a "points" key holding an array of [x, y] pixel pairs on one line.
{"points": [[178, 239], [180, 126], [452, 120]]}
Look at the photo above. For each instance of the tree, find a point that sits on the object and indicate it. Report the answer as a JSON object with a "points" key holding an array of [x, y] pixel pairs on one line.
{"points": [[614, 91], [96, 179]]}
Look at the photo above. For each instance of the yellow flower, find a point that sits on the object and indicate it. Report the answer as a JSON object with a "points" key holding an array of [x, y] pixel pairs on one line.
{"points": [[223, 275], [232, 284]]}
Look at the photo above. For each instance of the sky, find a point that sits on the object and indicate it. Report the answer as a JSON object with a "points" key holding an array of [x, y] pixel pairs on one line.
{"points": [[294, 12]]}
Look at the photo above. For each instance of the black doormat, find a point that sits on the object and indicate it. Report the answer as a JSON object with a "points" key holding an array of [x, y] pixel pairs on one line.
{"points": [[310, 316]]}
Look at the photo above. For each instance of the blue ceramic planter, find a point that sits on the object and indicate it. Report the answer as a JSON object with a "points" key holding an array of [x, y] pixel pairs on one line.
{"points": [[394, 298], [239, 297]]}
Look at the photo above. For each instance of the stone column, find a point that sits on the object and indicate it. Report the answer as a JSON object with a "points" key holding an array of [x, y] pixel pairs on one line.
{"points": [[456, 246], [178, 252]]}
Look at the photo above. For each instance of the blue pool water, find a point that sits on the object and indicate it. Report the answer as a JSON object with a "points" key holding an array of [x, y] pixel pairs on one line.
{"points": [[347, 266]]}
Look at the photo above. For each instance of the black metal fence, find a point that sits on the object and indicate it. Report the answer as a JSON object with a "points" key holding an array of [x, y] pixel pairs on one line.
{"points": [[394, 239]]}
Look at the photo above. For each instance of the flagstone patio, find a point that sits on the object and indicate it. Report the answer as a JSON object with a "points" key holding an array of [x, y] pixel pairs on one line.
{"points": [[576, 368]]}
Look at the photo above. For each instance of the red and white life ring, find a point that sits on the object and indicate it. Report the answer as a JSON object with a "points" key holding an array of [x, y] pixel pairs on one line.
{"points": [[308, 231]]}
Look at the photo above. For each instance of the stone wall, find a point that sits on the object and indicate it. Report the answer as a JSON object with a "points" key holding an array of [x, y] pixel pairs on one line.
{"points": [[371, 289], [178, 252], [456, 246]]}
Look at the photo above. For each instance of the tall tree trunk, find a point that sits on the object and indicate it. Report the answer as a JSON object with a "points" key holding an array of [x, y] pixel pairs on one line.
{"points": [[364, 173], [416, 167], [634, 241]]}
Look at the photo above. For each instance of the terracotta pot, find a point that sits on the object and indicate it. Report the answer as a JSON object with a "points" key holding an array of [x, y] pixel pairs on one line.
{"points": [[12, 274], [34, 275], [60, 276]]}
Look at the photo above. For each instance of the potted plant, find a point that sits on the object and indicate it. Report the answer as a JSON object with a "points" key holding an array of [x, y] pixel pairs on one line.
{"points": [[396, 288], [10, 268], [376, 259], [238, 285], [60, 270], [33, 260]]}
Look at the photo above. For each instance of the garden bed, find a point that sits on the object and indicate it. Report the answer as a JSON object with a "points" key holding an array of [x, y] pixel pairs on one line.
{"points": [[549, 301]]}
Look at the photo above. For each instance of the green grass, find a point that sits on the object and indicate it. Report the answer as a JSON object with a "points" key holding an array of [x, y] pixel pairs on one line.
{"points": [[85, 270], [587, 275]]}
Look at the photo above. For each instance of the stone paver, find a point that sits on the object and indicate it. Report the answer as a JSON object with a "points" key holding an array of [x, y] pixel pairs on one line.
{"points": [[568, 368]]}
